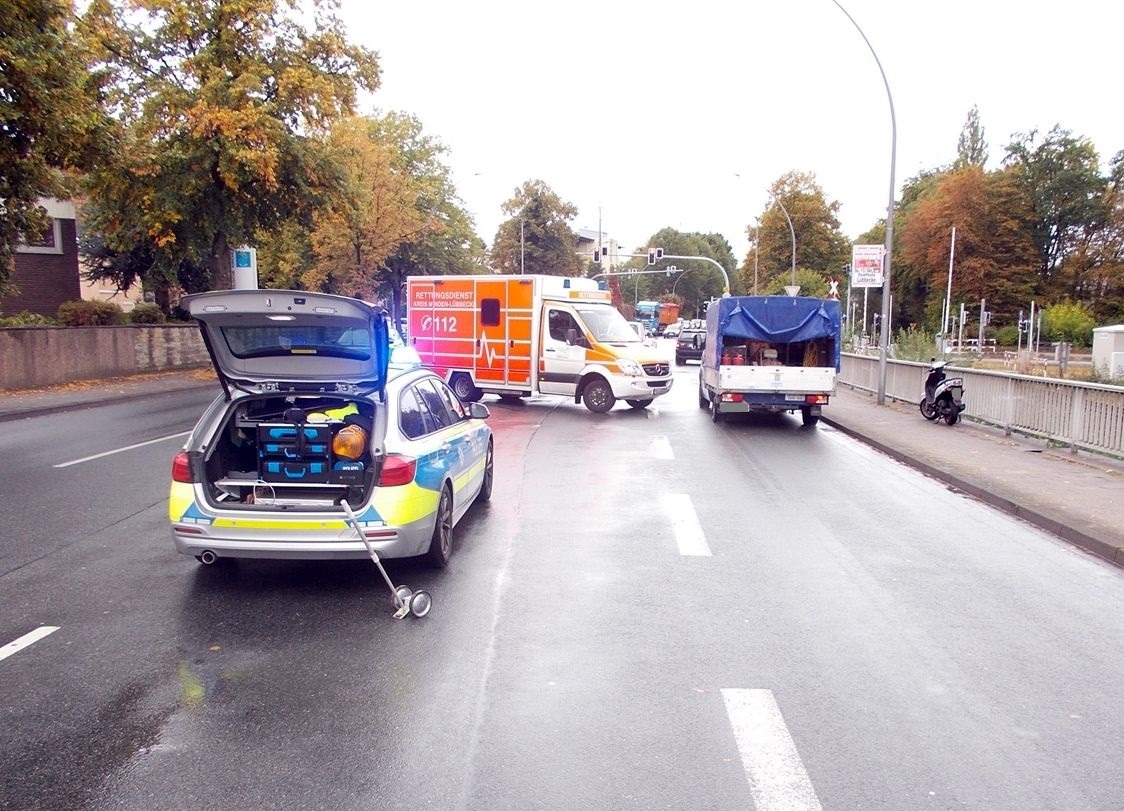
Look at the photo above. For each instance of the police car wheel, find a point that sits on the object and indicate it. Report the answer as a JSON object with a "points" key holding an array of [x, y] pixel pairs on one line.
{"points": [[441, 544]]}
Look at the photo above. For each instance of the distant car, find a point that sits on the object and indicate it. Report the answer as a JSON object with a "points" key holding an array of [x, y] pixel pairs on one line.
{"points": [[317, 406], [672, 331], [689, 346]]}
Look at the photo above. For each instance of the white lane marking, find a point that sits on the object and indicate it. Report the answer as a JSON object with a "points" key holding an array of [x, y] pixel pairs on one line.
{"points": [[27, 639], [121, 450], [661, 448], [777, 779], [688, 531]]}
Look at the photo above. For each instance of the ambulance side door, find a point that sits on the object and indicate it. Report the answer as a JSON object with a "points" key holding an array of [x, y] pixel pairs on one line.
{"points": [[564, 348]]}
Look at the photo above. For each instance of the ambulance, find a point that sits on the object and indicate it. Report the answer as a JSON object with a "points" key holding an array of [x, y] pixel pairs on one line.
{"points": [[518, 335]]}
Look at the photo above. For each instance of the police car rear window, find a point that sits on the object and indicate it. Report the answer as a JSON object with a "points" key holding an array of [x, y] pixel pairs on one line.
{"points": [[328, 341]]}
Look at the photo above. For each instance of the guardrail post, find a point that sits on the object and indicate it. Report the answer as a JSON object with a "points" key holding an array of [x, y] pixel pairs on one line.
{"points": [[1009, 407], [1077, 420]]}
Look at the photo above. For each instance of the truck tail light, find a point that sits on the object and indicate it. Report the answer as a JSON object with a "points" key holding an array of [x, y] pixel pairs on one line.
{"points": [[397, 470], [732, 396], [815, 399], [181, 468]]}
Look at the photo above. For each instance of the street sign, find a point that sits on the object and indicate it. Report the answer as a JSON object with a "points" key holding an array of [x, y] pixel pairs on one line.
{"points": [[867, 267], [244, 262]]}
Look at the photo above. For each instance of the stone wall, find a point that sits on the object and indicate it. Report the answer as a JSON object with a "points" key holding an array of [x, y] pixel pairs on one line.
{"points": [[32, 357]]}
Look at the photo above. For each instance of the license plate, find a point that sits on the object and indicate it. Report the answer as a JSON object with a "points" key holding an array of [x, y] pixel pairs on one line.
{"points": [[794, 398]]}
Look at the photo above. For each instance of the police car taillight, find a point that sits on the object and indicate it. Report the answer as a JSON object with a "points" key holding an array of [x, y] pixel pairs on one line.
{"points": [[397, 470], [181, 468]]}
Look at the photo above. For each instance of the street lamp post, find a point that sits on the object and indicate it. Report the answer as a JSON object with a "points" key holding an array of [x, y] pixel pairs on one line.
{"points": [[756, 249], [883, 339], [792, 231]]}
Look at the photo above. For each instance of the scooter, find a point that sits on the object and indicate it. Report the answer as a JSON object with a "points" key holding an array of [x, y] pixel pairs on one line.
{"points": [[944, 396]]}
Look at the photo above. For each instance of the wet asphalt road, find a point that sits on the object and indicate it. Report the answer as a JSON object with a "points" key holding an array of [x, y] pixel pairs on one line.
{"points": [[634, 573]]}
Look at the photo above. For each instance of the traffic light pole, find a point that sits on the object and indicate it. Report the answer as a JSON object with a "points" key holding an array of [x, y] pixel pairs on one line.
{"points": [[725, 276], [668, 270]]}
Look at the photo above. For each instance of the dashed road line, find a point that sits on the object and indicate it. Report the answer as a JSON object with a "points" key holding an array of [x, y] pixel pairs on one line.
{"points": [[777, 779], [685, 523], [27, 639], [661, 448]]}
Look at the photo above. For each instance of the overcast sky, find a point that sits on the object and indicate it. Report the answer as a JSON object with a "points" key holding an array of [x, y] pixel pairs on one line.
{"points": [[681, 114]]}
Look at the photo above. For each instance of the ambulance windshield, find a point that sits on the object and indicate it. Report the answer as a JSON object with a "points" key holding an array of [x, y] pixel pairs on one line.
{"points": [[607, 324]]}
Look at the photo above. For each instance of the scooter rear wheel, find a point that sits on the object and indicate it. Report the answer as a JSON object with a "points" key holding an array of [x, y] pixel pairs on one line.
{"points": [[952, 416], [928, 410]]}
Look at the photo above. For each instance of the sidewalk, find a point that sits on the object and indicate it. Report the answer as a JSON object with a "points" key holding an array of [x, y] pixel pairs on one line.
{"points": [[86, 393], [1074, 496]]}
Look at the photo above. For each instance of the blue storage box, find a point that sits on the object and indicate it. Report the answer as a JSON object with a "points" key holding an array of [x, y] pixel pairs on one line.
{"points": [[347, 472], [294, 471]]}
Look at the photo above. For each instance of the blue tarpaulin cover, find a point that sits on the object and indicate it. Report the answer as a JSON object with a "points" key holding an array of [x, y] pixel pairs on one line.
{"points": [[773, 319]]}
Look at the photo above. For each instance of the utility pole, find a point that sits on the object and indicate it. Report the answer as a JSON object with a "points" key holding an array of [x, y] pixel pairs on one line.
{"points": [[948, 295]]}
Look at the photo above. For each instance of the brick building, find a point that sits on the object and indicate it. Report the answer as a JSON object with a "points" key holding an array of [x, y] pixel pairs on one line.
{"points": [[46, 271]]}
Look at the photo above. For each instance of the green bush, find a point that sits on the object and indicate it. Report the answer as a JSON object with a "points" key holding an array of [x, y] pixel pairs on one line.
{"points": [[914, 344], [147, 314], [1008, 335], [26, 319], [1069, 321], [89, 314]]}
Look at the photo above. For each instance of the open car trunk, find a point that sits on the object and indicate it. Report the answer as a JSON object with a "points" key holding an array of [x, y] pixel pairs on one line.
{"points": [[285, 452]]}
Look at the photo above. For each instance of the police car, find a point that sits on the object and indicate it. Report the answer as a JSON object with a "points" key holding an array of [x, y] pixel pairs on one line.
{"points": [[315, 411]]}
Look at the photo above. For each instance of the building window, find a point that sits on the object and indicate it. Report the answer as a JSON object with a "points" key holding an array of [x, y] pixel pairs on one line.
{"points": [[50, 241]]}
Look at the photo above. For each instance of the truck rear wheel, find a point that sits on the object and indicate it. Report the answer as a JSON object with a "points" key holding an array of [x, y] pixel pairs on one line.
{"points": [[715, 414], [639, 403], [810, 419], [598, 397]]}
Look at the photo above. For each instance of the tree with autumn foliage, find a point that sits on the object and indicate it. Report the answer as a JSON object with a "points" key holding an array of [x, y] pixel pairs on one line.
{"points": [[50, 118], [537, 237], [392, 212], [447, 244], [373, 212], [821, 248], [994, 257], [218, 101], [1060, 176]]}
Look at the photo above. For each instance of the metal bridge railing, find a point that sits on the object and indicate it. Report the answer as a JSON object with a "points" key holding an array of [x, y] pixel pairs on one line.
{"points": [[1082, 416]]}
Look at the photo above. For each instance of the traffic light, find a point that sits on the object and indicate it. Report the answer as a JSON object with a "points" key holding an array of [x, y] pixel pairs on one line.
{"points": [[651, 256], [597, 256], [659, 253]]}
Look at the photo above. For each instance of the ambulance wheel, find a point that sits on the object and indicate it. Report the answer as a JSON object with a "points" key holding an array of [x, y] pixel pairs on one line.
{"points": [[639, 403], [598, 397], [441, 544], [810, 419], [465, 388]]}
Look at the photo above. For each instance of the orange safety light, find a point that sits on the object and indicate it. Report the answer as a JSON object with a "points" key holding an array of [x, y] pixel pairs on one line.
{"points": [[350, 443]]}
